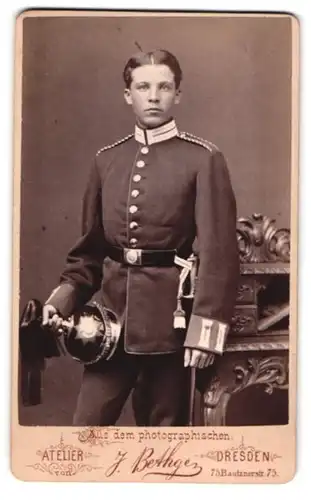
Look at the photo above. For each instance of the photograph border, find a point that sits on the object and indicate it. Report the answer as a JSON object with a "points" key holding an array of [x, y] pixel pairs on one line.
{"points": [[20, 436]]}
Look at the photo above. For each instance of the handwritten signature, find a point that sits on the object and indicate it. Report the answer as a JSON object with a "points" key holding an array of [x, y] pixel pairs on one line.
{"points": [[167, 463]]}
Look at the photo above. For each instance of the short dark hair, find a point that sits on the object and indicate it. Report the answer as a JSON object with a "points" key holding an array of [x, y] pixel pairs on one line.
{"points": [[158, 56]]}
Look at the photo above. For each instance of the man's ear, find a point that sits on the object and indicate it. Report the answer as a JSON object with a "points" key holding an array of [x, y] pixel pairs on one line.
{"points": [[128, 96], [178, 96]]}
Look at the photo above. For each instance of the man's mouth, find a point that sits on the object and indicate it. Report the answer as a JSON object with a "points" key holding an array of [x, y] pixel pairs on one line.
{"points": [[157, 110]]}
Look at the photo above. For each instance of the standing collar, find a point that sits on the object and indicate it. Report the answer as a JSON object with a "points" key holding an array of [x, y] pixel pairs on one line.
{"points": [[159, 134]]}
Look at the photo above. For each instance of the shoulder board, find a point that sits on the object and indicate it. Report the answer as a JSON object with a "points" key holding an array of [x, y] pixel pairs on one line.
{"points": [[198, 140], [110, 146]]}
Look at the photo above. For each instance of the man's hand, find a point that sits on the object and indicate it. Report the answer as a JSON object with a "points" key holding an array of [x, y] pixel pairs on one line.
{"points": [[52, 319], [198, 359]]}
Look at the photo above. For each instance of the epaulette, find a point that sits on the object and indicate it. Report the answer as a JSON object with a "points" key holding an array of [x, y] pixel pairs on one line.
{"points": [[198, 140], [110, 146]]}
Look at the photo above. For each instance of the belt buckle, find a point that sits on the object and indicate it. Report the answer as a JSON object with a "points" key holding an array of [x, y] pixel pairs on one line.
{"points": [[133, 256]]}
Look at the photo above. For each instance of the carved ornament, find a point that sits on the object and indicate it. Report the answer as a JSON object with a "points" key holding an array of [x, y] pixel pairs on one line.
{"points": [[260, 240]]}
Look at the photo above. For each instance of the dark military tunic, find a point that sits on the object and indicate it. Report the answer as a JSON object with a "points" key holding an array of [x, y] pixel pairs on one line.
{"points": [[157, 189]]}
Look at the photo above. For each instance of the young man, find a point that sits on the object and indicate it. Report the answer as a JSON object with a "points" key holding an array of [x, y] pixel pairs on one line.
{"points": [[152, 195]]}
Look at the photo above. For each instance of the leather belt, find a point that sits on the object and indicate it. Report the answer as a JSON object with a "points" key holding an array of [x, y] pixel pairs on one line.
{"points": [[142, 257]]}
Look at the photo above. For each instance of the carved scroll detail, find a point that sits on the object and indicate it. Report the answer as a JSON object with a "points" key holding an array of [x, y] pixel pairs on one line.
{"points": [[260, 241], [243, 290], [242, 323], [271, 372]]}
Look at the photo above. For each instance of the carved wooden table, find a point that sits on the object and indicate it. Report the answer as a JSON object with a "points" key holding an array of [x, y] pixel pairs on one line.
{"points": [[257, 346]]}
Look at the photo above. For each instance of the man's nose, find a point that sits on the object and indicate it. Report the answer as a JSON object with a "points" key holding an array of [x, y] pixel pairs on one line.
{"points": [[153, 95]]}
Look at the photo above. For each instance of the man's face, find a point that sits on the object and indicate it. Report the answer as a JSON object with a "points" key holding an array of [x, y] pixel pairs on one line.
{"points": [[152, 94]]}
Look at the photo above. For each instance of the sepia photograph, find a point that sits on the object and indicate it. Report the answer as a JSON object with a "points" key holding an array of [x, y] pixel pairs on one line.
{"points": [[155, 249]]}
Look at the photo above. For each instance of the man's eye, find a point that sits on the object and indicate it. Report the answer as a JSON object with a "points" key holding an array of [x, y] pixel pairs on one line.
{"points": [[143, 86], [166, 86]]}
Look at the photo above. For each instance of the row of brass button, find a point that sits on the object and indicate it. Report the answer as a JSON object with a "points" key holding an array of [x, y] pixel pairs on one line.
{"points": [[134, 208]]}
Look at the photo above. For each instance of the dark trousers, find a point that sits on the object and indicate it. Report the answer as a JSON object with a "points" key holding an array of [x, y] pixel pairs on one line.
{"points": [[160, 396]]}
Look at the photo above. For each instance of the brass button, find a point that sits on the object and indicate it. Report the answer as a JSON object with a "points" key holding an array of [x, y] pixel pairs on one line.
{"points": [[133, 209], [135, 193], [137, 178], [140, 164], [133, 225], [144, 150], [133, 242]]}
